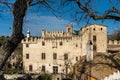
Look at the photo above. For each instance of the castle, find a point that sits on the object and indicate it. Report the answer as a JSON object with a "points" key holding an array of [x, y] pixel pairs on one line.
{"points": [[56, 52]]}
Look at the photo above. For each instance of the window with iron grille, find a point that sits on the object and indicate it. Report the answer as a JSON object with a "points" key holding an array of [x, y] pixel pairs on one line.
{"points": [[55, 69]]}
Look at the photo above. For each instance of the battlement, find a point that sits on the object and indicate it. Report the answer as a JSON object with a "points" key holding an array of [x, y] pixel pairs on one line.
{"points": [[34, 40], [113, 42], [30, 40], [55, 34]]}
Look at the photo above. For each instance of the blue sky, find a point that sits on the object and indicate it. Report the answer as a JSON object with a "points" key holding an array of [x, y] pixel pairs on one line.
{"points": [[37, 19]]}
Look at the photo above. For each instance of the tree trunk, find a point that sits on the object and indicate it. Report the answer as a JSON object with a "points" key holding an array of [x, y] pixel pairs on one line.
{"points": [[19, 9]]}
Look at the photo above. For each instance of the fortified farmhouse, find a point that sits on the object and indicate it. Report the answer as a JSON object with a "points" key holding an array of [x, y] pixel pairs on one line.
{"points": [[55, 52]]}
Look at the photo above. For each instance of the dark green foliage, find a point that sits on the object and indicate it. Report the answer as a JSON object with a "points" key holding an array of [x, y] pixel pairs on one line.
{"points": [[76, 32], [3, 39], [44, 77]]}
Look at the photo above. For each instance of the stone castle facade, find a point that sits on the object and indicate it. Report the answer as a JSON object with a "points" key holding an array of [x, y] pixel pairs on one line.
{"points": [[56, 52]]}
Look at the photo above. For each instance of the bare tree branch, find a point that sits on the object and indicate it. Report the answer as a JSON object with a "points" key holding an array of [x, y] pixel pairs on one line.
{"points": [[107, 15]]}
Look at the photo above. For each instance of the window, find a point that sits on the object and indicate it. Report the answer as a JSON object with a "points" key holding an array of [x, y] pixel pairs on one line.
{"points": [[55, 69], [30, 68], [54, 56], [76, 45], [76, 58], [61, 43], [27, 56], [94, 29], [94, 38], [43, 43], [101, 29], [43, 56], [65, 56], [43, 68], [94, 48], [68, 29], [27, 45], [58, 78]]}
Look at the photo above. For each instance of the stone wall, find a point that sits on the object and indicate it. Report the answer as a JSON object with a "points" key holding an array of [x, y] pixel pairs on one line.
{"points": [[113, 42]]}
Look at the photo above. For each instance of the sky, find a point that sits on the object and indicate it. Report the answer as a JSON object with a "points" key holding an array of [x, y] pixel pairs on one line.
{"points": [[40, 18]]}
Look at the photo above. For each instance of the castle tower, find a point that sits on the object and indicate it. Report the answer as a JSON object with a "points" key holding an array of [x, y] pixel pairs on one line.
{"points": [[28, 34], [69, 28], [97, 34]]}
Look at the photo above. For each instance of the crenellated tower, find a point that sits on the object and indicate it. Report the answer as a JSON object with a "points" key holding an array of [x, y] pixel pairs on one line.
{"points": [[69, 28]]}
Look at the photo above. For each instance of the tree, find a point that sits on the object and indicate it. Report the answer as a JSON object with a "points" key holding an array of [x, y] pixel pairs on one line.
{"points": [[115, 35], [112, 13], [19, 10]]}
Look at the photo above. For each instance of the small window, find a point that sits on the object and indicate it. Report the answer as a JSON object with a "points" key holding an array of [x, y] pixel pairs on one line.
{"points": [[43, 43], [43, 56], [58, 78], [76, 45], [65, 56], [76, 58], [55, 69], [94, 29], [27, 45], [30, 68], [94, 48], [27, 56], [43, 68], [101, 29], [54, 56], [68, 29], [61, 43], [94, 38]]}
